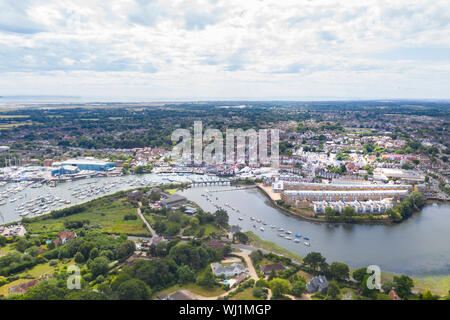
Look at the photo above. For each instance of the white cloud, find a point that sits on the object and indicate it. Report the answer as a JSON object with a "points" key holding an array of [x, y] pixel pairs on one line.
{"points": [[200, 49]]}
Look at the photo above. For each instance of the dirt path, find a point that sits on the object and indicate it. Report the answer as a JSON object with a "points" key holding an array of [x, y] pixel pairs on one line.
{"points": [[245, 254], [149, 227]]}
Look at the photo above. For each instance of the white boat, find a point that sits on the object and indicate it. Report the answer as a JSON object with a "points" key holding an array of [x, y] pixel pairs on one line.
{"points": [[306, 243], [262, 229]]}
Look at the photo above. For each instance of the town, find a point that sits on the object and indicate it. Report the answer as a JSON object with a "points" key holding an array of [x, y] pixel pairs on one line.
{"points": [[97, 188]]}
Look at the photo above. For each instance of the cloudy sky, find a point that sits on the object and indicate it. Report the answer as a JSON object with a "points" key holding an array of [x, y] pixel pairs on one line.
{"points": [[230, 49]]}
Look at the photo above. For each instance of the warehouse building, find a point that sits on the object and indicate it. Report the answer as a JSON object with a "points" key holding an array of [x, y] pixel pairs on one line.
{"points": [[89, 163]]}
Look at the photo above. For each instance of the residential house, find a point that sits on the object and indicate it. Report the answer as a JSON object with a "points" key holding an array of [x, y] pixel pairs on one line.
{"points": [[63, 237], [268, 268], [393, 295], [228, 271], [318, 284]]}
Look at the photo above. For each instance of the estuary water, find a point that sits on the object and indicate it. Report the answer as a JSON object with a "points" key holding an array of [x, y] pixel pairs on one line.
{"points": [[419, 246]]}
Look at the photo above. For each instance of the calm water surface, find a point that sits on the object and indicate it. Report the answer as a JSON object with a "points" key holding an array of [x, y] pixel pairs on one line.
{"points": [[419, 246]]}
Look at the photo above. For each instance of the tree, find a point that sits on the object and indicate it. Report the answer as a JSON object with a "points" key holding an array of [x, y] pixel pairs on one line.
{"points": [[221, 218], [134, 289], [256, 256], [298, 288], [279, 287], [63, 253], [330, 213], [226, 250], [79, 258], [403, 285], [155, 196], [359, 274], [388, 286], [272, 275], [365, 290], [86, 248], [339, 270], [206, 279], [46, 290], [85, 295], [314, 260], [333, 289], [427, 295], [98, 266], [185, 274], [125, 250], [3, 241], [94, 253], [349, 211], [139, 170], [417, 199], [161, 249], [258, 292], [241, 237]]}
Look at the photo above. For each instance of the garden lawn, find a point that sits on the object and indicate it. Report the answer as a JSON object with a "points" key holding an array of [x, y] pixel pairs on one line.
{"points": [[247, 294], [205, 292], [4, 250], [45, 269]]}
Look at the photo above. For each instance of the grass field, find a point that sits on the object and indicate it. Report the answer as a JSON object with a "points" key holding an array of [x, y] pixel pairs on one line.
{"points": [[45, 269], [256, 241], [205, 292], [109, 217], [171, 191], [436, 284], [11, 125], [4, 250], [4, 290], [247, 294]]}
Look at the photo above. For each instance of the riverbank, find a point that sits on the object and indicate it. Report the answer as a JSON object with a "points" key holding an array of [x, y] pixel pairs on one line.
{"points": [[307, 215], [439, 285]]}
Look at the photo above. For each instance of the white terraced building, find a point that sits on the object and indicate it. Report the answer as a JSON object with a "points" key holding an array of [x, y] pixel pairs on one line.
{"points": [[295, 185], [375, 207], [294, 197]]}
